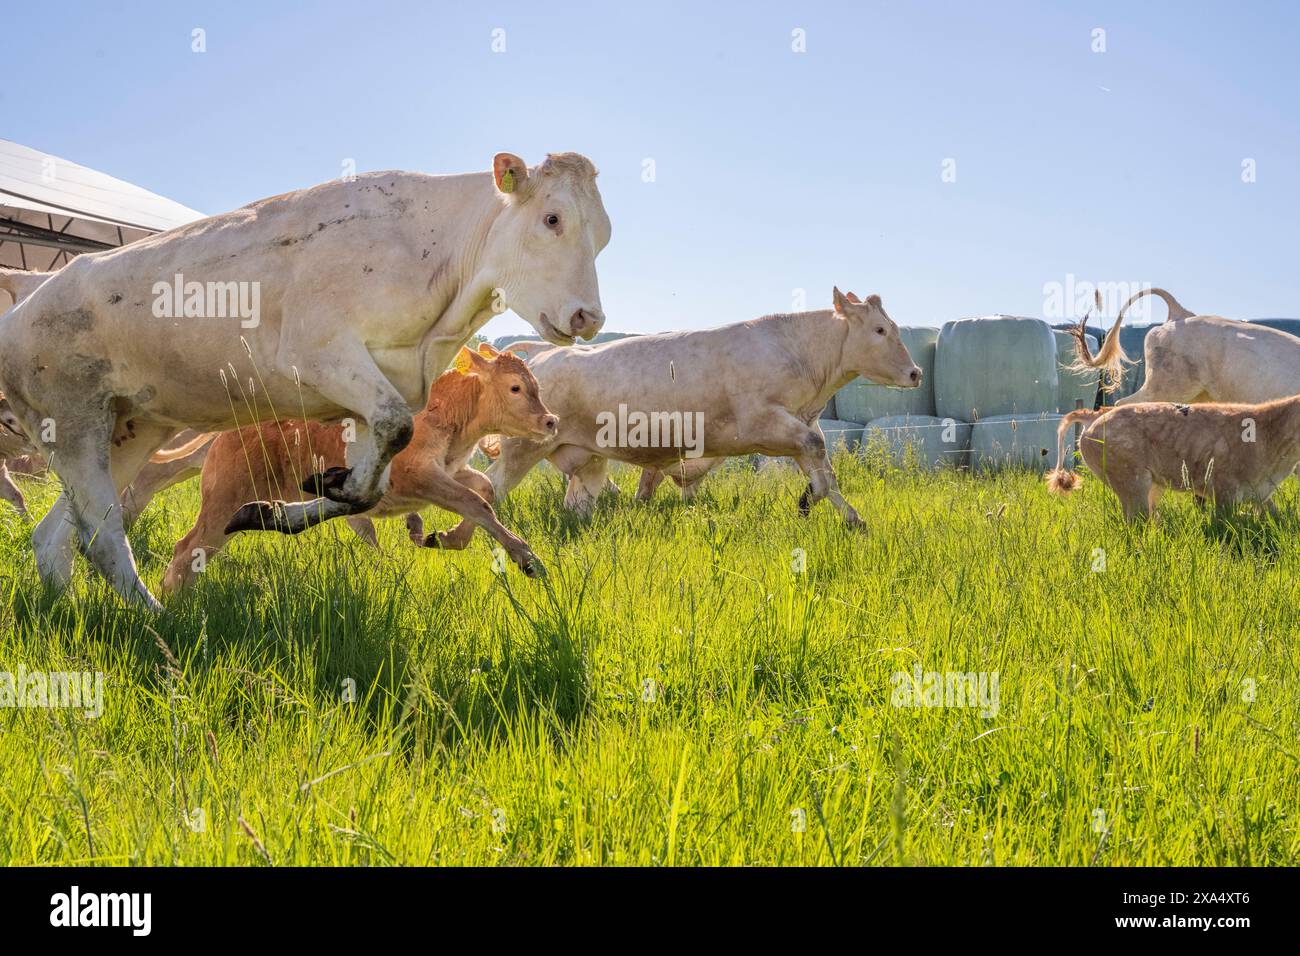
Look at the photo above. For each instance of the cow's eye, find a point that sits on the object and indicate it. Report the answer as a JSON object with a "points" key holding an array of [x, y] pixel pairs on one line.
{"points": [[514, 388], [552, 220], [880, 330]]}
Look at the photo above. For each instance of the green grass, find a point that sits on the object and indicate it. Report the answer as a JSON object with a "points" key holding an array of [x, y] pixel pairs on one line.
{"points": [[672, 693]]}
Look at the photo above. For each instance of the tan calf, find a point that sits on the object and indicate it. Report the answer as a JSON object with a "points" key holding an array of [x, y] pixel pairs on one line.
{"points": [[1223, 453], [487, 392]]}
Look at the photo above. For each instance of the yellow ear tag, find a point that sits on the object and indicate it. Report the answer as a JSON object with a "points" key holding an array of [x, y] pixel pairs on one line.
{"points": [[486, 350], [463, 363], [508, 181]]}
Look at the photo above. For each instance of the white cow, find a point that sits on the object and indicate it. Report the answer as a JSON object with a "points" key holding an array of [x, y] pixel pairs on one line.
{"points": [[678, 402], [1200, 358], [343, 301]]}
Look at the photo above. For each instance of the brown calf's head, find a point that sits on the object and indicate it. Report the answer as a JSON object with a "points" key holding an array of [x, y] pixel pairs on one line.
{"points": [[872, 347], [509, 403]]}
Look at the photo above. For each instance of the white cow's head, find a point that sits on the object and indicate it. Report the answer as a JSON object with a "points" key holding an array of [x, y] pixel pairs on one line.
{"points": [[872, 347], [541, 250]]}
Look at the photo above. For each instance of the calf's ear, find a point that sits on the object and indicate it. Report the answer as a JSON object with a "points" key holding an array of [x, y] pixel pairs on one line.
{"points": [[509, 171], [852, 298], [486, 348]]}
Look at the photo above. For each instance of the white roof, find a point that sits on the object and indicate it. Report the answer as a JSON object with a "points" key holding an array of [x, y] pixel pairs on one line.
{"points": [[54, 208], [38, 181]]}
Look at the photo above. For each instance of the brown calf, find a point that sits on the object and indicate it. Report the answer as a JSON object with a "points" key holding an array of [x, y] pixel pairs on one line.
{"points": [[1222, 453], [486, 392]]}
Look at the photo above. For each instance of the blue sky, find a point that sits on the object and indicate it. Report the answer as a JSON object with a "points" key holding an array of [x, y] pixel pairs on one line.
{"points": [[774, 170]]}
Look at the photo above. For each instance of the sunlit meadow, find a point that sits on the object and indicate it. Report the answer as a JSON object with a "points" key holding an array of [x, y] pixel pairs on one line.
{"points": [[677, 690]]}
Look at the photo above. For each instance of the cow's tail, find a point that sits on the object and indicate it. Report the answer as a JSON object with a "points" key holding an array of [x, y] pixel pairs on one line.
{"points": [[173, 454], [490, 445], [1111, 358], [1061, 480], [20, 283]]}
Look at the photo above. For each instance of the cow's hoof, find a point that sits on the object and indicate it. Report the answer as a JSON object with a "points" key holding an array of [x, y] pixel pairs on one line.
{"points": [[532, 567], [258, 516], [326, 484]]}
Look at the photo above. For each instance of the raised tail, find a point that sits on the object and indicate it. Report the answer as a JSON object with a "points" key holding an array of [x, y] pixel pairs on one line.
{"points": [[1110, 358], [172, 454], [1061, 480], [20, 283]]}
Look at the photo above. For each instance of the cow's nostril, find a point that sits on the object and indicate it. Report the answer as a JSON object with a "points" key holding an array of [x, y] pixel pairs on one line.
{"points": [[916, 376], [577, 322], [552, 423]]}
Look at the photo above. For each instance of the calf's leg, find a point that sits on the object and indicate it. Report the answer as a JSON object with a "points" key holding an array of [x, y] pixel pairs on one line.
{"points": [[441, 489]]}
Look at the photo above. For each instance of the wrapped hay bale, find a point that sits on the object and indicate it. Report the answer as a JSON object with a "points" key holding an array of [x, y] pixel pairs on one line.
{"points": [[829, 410], [1074, 385], [929, 441], [863, 401], [1017, 441], [996, 365], [840, 434]]}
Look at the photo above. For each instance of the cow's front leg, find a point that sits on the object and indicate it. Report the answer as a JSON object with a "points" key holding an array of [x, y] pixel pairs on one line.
{"points": [[807, 446], [384, 427]]}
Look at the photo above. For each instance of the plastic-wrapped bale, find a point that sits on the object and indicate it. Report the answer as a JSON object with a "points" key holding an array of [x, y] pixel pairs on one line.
{"points": [[1017, 441], [863, 401], [829, 410], [928, 441], [840, 434], [1290, 326], [996, 365], [1074, 386]]}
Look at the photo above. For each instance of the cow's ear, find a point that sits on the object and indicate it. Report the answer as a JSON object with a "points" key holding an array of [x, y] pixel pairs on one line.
{"points": [[873, 300], [509, 171], [486, 348], [841, 303], [852, 298]]}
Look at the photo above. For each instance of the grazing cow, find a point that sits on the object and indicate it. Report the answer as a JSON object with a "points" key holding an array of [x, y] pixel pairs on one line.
{"points": [[671, 400], [1222, 453], [344, 300], [486, 393], [1200, 358]]}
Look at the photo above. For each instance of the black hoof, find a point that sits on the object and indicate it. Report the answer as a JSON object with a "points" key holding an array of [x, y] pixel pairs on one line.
{"points": [[258, 516], [805, 502], [329, 480]]}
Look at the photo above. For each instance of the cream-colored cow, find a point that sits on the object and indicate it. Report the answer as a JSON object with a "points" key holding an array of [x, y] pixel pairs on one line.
{"points": [[344, 301], [1200, 358]]}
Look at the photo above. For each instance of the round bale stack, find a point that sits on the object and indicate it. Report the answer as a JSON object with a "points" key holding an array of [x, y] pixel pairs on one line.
{"points": [[925, 440], [997, 365], [840, 434], [1017, 441]]}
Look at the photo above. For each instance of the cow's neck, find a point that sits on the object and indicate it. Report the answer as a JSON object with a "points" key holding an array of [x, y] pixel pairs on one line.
{"points": [[817, 340], [461, 290]]}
